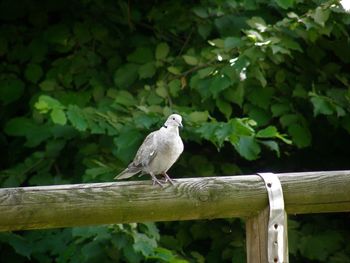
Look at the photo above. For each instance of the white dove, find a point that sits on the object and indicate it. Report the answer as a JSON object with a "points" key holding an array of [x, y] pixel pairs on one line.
{"points": [[158, 152]]}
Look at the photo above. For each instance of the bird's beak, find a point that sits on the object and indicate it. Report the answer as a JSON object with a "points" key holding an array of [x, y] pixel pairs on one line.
{"points": [[180, 125]]}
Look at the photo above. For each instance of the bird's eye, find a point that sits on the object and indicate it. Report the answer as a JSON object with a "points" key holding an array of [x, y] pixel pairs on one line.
{"points": [[173, 118]]}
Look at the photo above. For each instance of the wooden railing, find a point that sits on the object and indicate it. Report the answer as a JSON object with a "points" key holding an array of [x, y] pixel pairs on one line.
{"points": [[194, 198]]}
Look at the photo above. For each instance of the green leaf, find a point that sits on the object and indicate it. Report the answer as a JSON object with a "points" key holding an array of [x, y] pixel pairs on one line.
{"points": [[141, 55], [301, 135], [144, 244], [150, 229], [279, 109], [96, 172], [291, 44], [38, 49], [202, 73], [91, 251], [218, 42], [232, 42], [46, 103], [145, 121], [162, 51], [218, 84], [58, 34], [243, 126], [289, 119], [340, 111], [235, 94], [127, 143], [285, 4], [126, 75], [198, 116], [165, 255], [98, 91], [34, 133], [268, 132], [224, 107], [204, 30], [223, 131], [11, 89], [82, 33], [259, 76], [321, 105], [257, 23], [279, 49], [261, 116], [99, 31], [299, 91], [280, 76], [230, 169], [321, 245], [240, 63], [33, 72], [20, 244], [48, 85], [18, 126], [174, 87], [190, 60], [54, 147], [58, 116], [162, 91], [202, 166], [147, 70], [154, 99], [247, 147], [200, 11], [76, 117], [321, 15], [201, 85], [272, 145], [125, 98], [255, 36], [174, 70], [80, 98], [207, 131]]}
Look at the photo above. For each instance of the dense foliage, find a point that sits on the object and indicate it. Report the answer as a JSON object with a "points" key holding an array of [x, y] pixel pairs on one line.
{"points": [[262, 86]]}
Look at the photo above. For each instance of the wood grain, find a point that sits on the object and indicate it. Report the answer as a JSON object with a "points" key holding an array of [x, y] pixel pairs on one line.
{"points": [[193, 198], [256, 237]]}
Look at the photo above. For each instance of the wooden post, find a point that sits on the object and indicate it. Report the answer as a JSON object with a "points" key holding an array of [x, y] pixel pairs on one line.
{"points": [[256, 237]]}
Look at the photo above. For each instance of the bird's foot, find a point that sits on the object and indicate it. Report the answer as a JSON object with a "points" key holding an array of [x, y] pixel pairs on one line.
{"points": [[168, 179], [156, 181]]}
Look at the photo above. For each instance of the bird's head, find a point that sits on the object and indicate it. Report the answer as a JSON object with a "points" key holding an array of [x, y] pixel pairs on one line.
{"points": [[174, 120]]}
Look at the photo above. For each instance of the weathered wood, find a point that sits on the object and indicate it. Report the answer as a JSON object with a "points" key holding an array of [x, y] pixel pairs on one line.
{"points": [[256, 237], [194, 198]]}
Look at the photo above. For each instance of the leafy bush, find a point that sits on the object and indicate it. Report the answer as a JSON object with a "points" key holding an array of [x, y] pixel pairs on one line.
{"points": [[262, 85]]}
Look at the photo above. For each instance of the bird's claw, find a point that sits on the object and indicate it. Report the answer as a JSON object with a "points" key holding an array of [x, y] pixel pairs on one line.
{"points": [[168, 179], [158, 183], [162, 182]]}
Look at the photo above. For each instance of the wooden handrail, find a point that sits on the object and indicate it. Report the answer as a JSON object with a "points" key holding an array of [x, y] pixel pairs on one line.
{"points": [[194, 198]]}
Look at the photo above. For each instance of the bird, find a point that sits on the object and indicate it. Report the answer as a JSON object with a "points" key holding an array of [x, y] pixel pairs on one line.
{"points": [[158, 152]]}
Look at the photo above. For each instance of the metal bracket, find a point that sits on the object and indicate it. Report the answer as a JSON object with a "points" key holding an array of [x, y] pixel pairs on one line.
{"points": [[277, 238]]}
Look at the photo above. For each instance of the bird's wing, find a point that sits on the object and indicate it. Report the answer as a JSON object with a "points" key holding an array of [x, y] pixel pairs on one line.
{"points": [[144, 155], [147, 151]]}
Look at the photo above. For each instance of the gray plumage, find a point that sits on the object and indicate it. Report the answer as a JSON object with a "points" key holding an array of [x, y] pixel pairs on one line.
{"points": [[158, 152]]}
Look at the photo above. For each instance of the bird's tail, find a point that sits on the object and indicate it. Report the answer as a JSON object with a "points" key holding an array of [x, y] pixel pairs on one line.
{"points": [[126, 174]]}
